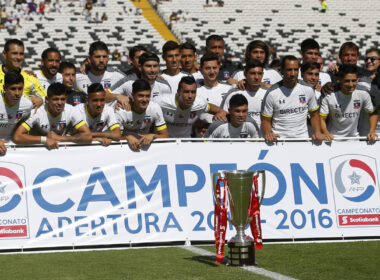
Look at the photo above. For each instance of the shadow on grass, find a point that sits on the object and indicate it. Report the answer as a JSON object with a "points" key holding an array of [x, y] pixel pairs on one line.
{"points": [[208, 260]]}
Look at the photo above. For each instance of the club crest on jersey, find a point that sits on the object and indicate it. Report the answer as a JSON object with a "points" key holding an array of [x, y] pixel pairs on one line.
{"points": [[107, 85], [99, 125], [61, 125], [147, 120], [192, 115], [18, 115], [10, 117], [302, 99], [243, 134], [226, 75], [76, 100], [356, 104]]}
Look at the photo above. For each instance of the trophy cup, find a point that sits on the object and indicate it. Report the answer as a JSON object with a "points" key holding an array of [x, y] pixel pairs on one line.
{"points": [[244, 209]]}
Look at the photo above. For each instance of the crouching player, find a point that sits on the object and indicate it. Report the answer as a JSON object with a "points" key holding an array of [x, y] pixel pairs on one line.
{"points": [[343, 107], [145, 122], [238, 125], [51, 122], [99, 118], [14, 107]]}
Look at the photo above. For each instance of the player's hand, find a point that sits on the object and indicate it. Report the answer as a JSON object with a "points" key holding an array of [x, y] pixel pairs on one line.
{"points": [[318, 136], [31, 73], [318, 87], [124, 102], [133, 143], [327, 89], [51, 143], [54, 136], [83, 67], [37, 101], [271, 137], [104, 141], [220, 116], [328, 137], [241, 84], [334, 69], [146, 139], [372, 136], [3, 149]]}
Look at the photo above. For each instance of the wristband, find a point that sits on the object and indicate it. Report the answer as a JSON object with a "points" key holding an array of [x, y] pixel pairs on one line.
{"points": [[43, 139]]}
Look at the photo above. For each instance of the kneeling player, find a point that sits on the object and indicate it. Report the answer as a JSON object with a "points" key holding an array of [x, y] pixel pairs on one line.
{"points": [[13, 107], [51, 122], [343, 107], [137, 124], [239, 125], [100, 119]]}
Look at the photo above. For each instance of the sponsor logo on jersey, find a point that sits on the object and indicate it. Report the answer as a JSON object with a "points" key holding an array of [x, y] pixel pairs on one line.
{"points": [[169, 113], [356, 104], [338, 106], [302, 99], [281, 101], [10, 117]]}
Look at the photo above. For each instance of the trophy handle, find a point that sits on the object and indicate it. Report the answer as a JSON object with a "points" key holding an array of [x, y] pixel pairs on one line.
{"points": [[263, 182], [215, 177]]}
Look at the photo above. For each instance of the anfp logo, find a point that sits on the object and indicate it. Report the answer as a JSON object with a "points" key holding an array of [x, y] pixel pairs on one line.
{"points": [[354, 177]]}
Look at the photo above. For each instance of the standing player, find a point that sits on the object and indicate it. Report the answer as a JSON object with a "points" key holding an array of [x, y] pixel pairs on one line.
{"points": [[343, 107], [68, 72], [310, 72], [372, 60], [149, 68], [260, 51], [13, 54], [183, 109], [48, 74], [287, 104], [138, 125], [172, 73], [14, 107], [253, 92], [99, 118], [210, 88], [239, 124], [51, 122], [189, 60], [99, 73], [133, 58]]}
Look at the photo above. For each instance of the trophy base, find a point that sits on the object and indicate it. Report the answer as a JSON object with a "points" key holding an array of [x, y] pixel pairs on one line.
{"points": [[241, 254]]}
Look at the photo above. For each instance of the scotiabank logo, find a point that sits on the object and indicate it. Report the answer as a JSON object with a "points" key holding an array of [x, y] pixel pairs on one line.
{"points": [[359, 220], [13, 231]]}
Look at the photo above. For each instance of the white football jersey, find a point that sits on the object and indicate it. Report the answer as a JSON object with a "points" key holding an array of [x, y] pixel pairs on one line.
{"points": [[255, 100], [289, 108], [218, 129], [270, 76], [109, 79], [343, 111], [135, 123], [45, 82], [159, 86], [10, 116], [103, 122], [174, 80], [179, 121], [44, 122]]}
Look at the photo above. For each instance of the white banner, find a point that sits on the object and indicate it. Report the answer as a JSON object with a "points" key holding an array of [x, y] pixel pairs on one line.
{"points": [[91, 195]]}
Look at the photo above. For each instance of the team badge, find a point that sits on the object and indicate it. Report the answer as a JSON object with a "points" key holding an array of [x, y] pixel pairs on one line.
{"points": [[302, 99], [61, 125], [226, 75], [107, 85], [356, 104], [147, 120], [10, 117], [192, 115], [243, 134], [76, 100], [18, 115], [99, 125]]}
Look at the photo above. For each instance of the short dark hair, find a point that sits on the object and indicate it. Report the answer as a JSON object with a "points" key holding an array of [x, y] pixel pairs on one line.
{"points": [[189, 80], [373, 50], [148, 56], [288, 57], [309, 44], [95, 87], [238, 100], [347, 69], [56, 89], [13, 77], [12, 42], [310, 65], [275, 62], [213, 37], [348, 45], [257, 44], [46, 52], [140, 85], [64, 65], [135, 49], [253, 63], [209, 57], [169, 46], [187, 46], [98, 46]]}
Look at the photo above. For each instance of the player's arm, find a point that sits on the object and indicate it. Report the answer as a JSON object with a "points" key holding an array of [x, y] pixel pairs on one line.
{"points": [[133, 142], [83, 136], [114, 133], [3, 148], [327, 135], [316, 124], [21, 136], [123, 100], [146, 139], [373, 119], [219, 113], [266, 128]]}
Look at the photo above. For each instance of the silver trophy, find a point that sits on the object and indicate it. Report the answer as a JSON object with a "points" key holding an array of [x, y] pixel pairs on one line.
{"points": [[239, 187]]}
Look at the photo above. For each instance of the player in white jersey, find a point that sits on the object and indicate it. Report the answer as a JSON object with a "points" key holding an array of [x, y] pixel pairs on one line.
{"points": [[188, 60], [343, 107], [149, 68], [254, 92], [260, 51], [48, 74], [172, 74], [51, 122], [99, 118], [14, 107], [183, 109], [310, 72], [210, 88], [239, 124], [145, 121], [287, 104], [133, 58], [99, 73]]}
